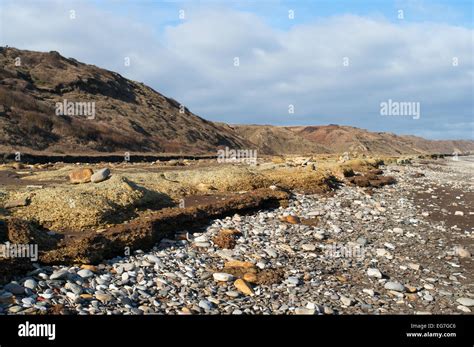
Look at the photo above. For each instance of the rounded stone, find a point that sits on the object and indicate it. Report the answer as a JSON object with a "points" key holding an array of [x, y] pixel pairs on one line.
{"points": [[85, 273], [100, 175], [30, 283], [14, 288], [396, 286], [222, 277], [466, 301]]}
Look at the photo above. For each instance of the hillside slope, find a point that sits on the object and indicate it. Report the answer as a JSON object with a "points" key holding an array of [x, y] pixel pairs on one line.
{"points": [[339, 139], [346, 138], [129, 116], [278, 140]]}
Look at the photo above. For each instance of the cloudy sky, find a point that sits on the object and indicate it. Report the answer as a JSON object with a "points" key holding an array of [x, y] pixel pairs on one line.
{"points": [[250, 61]]}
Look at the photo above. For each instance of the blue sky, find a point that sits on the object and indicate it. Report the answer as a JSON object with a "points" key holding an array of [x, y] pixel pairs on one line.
{"points": [[457, 12], [282, 61], [159, 13]]}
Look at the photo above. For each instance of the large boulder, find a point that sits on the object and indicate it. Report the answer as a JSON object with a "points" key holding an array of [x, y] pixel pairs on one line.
{"points": [[81, 176], [100, 175]]}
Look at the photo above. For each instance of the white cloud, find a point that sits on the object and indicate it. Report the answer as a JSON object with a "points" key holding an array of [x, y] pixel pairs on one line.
{"points": [[192, 61]]}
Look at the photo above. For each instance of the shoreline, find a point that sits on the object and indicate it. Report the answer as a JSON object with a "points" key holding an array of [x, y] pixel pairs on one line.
{"points": [[411, 261]]}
